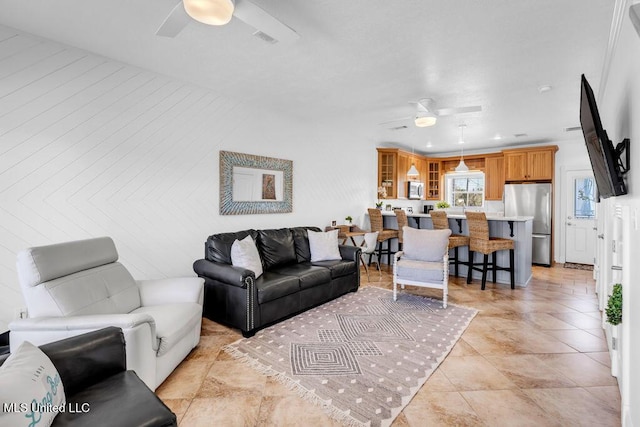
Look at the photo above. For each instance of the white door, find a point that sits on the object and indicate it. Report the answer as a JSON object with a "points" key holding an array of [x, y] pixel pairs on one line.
{"points": [[580, 221]]}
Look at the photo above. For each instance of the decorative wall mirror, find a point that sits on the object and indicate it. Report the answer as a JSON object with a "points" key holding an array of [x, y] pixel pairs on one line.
{"points": [[254, 184]]}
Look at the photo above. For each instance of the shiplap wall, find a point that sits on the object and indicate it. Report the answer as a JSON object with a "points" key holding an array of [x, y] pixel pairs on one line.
{"points": [[91, 147]]}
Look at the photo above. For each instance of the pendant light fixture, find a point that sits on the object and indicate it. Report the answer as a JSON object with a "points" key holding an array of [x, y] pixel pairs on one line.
{"points": [[413, 171], [462, 167]]}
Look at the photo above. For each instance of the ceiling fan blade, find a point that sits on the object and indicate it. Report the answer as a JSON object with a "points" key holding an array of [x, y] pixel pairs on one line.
{"points": [[395, 121], [260, 20], [175, 22], [459, 110]]}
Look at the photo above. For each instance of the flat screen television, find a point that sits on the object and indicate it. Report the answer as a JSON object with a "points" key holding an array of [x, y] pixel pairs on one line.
{"points": [[606, 163]]}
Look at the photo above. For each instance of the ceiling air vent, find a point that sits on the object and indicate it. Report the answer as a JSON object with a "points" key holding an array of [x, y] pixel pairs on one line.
{"points": [[265, 37], [520, 135], [572, 129]]}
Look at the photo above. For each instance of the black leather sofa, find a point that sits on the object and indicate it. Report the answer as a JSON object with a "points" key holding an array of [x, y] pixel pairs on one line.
{"points": [[99, 390], [291, 283]]}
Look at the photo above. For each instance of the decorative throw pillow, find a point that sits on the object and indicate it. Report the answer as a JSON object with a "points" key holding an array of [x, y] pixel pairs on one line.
{"points": [[324, 246], [244, 253], [31, 387], [425, 245]]}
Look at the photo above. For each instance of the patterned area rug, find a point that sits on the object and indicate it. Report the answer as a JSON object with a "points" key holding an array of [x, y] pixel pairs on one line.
{"points": [[578, 266], [361, 357]]}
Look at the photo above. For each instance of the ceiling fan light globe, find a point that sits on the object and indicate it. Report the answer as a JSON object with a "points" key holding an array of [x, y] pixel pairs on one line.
{"points": [[425, 121], [210, 12]]}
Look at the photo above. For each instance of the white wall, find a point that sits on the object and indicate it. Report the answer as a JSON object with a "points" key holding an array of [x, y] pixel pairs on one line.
{"points": [[92, 147], [620, 113]]}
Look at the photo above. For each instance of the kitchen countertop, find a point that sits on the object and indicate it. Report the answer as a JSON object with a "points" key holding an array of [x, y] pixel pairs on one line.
{"points": [[490, 216]]}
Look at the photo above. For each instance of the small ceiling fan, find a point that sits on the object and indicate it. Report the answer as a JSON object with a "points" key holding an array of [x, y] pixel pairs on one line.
{"points": [[220, 12], [427, 114]]}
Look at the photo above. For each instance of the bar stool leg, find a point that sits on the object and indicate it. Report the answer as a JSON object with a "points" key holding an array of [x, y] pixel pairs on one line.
{"points": [[511, 269], [455, 261], [494, 266], [470, 270], [485, 261]]}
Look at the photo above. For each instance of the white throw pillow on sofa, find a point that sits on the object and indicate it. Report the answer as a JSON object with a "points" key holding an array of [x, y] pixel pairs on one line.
{"points": [[244, 253], [324, 246], [31, 382]]}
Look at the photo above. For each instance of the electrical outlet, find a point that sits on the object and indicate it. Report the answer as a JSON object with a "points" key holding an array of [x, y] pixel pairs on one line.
{"points": [[20, 313]]}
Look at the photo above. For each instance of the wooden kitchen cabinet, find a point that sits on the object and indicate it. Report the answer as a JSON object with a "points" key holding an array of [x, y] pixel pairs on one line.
{"points": [[529, 164], [393, 165], [387, 171], [494, 177], [432, 181]]}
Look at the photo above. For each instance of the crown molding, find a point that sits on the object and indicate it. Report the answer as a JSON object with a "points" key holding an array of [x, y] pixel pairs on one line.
{"points": [[621, 6]]}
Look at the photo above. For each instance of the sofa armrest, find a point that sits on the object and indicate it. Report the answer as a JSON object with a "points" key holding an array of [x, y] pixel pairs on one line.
{"points": [[224, 273], [172, 290], [350, 253], [88, 359], [124, 321], [40, 330]]}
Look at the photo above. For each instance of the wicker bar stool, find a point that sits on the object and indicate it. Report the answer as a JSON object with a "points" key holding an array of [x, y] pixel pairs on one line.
{"points": [[384, 234], [481, 242], [441, 222], [401, 216]]}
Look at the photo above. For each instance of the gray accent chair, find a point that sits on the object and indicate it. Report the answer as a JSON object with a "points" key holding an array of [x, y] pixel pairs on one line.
{"points": [[424, 261]]}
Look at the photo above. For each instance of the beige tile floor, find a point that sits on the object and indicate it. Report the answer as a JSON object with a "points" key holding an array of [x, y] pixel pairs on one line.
{"points": [[533, 356]]}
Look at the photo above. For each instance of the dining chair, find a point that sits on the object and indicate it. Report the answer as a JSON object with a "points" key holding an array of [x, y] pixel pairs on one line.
{"points": [[369, 248]]}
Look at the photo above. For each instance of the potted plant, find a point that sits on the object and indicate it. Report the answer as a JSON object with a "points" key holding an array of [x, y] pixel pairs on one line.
{"points": [[348, 219], [614, 305], [442, 205], [379, 205], [614, 318]]}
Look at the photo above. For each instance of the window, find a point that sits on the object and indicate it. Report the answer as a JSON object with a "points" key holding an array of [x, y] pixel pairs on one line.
{"points": [[465, 189], [584, 202]]}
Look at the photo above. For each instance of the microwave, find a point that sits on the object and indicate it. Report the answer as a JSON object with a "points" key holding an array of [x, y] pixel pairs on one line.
{"points": [[415, 190]]}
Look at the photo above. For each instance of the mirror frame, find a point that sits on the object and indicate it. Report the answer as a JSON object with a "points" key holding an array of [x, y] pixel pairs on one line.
{"points": [[228, 206]]}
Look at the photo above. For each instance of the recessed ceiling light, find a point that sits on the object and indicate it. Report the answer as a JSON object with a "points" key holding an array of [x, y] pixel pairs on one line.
{"points": [[429, 144], [545, 88], [497, 137]]}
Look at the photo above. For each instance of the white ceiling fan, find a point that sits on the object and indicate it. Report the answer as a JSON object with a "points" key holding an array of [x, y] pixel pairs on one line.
{"points": [[219, 12], [427, 114]]}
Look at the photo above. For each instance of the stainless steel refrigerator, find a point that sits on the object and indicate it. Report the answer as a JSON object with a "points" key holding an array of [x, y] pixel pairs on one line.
{"points": [[532, 200]]}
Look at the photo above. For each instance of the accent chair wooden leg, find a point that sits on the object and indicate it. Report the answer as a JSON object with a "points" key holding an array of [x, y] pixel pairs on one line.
{"points": [[512, 269], [485, 266], [470, 269]]}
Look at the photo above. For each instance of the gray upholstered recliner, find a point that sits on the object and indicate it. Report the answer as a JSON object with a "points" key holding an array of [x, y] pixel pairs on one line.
{"points": [[75, 287]]}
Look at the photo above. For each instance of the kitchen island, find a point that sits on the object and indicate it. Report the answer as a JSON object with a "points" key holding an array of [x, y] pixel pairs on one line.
{"points": [[518, 229]]}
